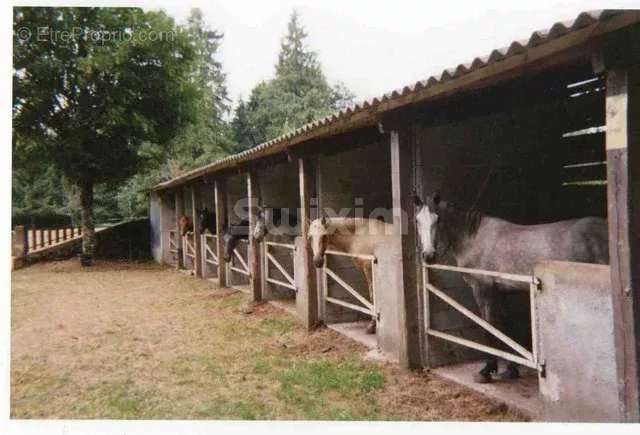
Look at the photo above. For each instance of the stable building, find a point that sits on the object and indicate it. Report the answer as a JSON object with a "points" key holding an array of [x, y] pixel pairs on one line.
{"points": [[542, 130]]}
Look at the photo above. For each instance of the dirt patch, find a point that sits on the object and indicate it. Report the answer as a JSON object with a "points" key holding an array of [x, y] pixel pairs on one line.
{"points": [[126, 340]]}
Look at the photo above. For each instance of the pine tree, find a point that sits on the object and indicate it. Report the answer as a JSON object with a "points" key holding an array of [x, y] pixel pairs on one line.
{"points": [[298, 94]]}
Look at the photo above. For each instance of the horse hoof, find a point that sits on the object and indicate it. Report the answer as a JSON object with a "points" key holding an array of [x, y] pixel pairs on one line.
{"points": [[482, 378], [509, 374], [371, 328]]}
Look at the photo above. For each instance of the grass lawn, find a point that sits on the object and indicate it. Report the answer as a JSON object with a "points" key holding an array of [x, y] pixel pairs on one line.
{"points": [[140, 341]]}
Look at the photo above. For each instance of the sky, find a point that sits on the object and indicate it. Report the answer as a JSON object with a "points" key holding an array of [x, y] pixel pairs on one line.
{"points": [[372, 46]]}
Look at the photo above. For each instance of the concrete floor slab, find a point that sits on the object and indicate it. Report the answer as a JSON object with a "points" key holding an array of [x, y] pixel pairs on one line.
{"points": [[244, 288], [288, 305], [357, 332], [519, 394]]}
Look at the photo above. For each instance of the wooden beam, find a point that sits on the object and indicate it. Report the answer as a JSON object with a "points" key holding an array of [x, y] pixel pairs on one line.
{"points": [[179, 212], [307, 297], [220, 195], [255, 278], [197, 242], [402, 143], [623, 198]]}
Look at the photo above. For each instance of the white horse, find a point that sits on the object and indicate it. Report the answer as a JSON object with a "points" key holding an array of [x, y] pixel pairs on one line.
{"points": [[352, 235], [478, 241]]}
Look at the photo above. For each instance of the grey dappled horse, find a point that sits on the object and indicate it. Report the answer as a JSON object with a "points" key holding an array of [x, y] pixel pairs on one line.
{"points": [[279, 224], [231, 236], [483, 242]]}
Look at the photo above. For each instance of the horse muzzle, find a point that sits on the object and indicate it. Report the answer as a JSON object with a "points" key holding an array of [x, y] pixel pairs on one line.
{"points": [[428, 257], [318, 262], [226, 258]]}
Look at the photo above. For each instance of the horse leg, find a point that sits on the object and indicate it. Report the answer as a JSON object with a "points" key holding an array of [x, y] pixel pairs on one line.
{"points": [[486, 303], [511, 371], [365, 266]]}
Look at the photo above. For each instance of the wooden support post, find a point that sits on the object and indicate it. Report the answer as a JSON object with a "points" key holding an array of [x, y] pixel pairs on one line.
{"points": [[623, 197], [220, 195], [253, 196], [197, 242], [402, 144], [179, 212], [307, 297]]}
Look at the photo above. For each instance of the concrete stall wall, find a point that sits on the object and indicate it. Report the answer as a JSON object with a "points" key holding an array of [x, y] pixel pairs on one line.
{"points": [[279, 188], [389, 297], [354, 183], [169, 223], [155, 227], [206, 198], [510, 159], [575, 336]]}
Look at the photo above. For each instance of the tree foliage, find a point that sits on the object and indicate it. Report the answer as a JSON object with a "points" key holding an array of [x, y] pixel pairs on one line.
{"points": [[298, 94], [95, 85]]}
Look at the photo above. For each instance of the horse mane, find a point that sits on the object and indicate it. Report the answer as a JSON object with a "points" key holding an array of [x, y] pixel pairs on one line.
{"points": [[340, 225], [457, 224], [231, 228]]}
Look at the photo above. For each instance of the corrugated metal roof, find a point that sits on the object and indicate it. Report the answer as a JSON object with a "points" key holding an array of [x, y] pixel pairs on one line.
{"points": [[364, 113]]}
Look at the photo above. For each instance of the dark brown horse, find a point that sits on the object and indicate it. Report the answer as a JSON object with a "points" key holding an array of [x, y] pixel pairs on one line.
{"points": [[231, 236], [185, 225]]}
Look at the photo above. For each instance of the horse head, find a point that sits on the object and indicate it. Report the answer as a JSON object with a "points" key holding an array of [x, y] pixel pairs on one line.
{"points": [[260, 230], [230, 237], [184, 225], [318, 232], [229, 242], [205, 218], [427, 218]]}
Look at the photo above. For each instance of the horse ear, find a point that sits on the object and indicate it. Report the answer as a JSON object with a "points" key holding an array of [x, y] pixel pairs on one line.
{"points": [[417, 201], [436, 199]]}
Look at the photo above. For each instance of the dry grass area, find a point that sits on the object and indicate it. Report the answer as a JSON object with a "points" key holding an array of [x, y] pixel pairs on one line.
{"points": [[140, 341]]}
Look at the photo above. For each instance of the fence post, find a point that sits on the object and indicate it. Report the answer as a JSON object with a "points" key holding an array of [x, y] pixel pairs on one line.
{"points": [[20, 244], [25, 239]]}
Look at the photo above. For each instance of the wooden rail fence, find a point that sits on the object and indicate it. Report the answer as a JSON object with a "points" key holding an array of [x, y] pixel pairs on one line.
{"points": [[26, 240]]}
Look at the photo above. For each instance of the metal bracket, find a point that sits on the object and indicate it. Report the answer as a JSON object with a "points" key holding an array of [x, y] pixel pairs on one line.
{"points": [[543, 369], [537, 283]]}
